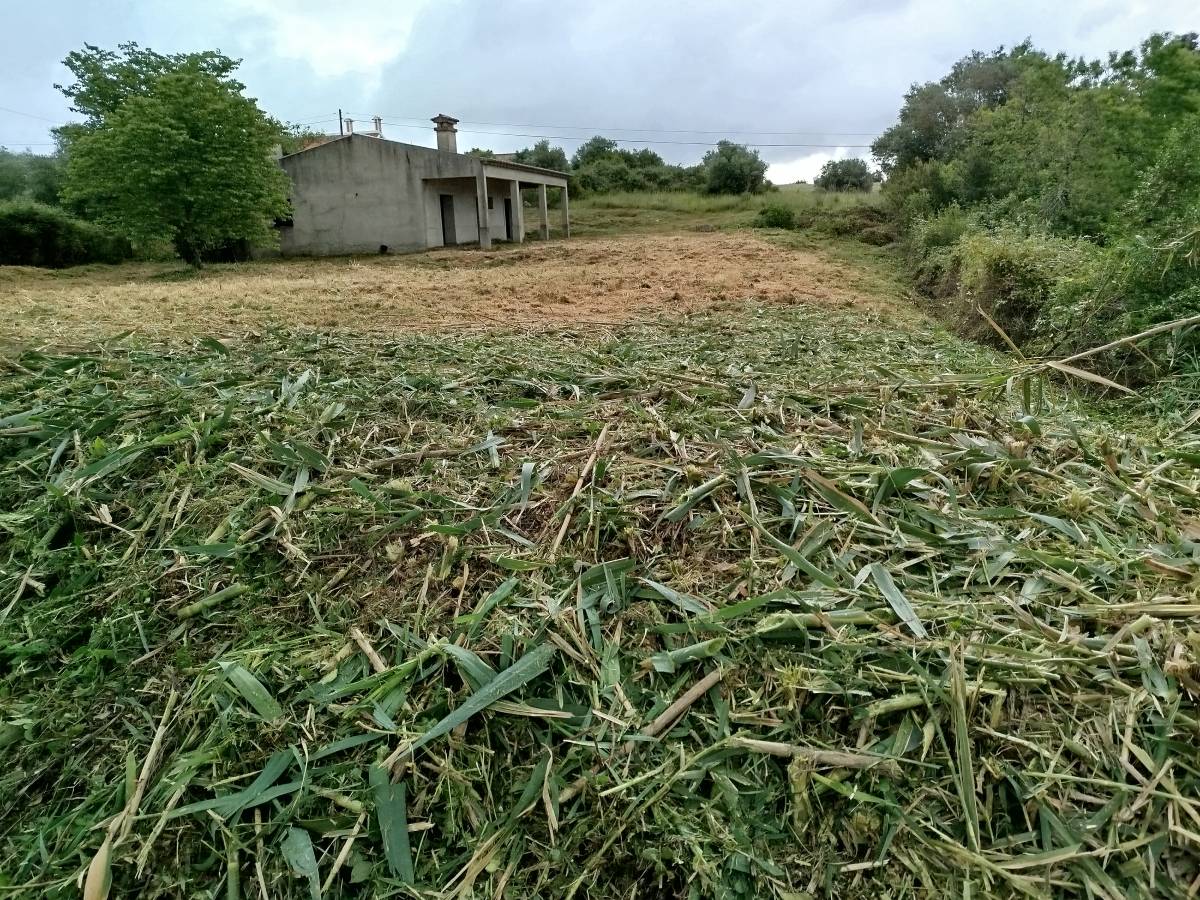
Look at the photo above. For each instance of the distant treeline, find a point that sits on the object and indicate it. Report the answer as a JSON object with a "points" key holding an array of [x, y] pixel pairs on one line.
{"points": [[30, 176], [600, 166], [1059, 196]]}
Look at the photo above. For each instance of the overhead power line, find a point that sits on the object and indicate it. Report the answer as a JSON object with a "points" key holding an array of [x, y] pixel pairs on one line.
{"points": [[567, 137], [599, 129], [17, 112], [396, 122]]}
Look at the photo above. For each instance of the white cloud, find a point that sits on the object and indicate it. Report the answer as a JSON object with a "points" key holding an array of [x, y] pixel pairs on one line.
{"points": [[806, 168], [334, 40]]}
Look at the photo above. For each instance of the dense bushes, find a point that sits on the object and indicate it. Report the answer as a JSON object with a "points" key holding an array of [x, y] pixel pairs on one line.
{"points": [[601, 167], [33, 234], [1010, 275], [1060, 197], [829, 215]]}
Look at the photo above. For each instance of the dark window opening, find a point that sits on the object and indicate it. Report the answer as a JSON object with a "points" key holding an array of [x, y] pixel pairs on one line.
{"points": [[489, 202]]}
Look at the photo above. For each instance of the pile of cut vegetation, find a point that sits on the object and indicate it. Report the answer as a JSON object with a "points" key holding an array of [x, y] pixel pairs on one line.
{"points": [[786, 605]]}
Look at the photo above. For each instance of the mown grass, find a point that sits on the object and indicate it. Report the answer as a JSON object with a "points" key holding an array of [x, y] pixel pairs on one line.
{"points": [[322, 616]]}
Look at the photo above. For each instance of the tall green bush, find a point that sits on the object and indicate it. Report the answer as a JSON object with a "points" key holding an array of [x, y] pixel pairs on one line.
{"points": [[845, 175], [34, 234], [734, 169]]}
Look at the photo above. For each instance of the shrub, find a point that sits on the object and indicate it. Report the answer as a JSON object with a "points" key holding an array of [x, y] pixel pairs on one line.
{"points": [[845, 175], [734, 169], [920, 190], [775, 215], [1151, 273], [33, 234], [938, 231], [1014, 277], [842, 216]]}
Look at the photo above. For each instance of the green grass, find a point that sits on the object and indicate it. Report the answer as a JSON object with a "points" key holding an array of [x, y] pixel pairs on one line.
{"points": [[310, 616], [666, 210]]}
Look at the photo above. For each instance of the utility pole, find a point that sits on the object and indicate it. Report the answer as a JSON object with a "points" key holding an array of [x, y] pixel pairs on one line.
{"points": [[341, 127]]}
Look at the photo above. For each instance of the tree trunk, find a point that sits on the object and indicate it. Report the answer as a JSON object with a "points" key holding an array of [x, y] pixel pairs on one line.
{"points": [[188, 251]]}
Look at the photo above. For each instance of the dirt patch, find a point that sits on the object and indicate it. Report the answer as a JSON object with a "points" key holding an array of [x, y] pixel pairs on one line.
{"points": [[592, 281]]}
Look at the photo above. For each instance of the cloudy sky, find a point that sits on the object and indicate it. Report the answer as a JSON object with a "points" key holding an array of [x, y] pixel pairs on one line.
{"points": [[803, 81]]}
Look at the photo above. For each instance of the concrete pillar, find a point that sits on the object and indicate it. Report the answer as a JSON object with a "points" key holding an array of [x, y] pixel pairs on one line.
{"points": [[566, 213], [545, 211], [485, 227], [518, 211]]}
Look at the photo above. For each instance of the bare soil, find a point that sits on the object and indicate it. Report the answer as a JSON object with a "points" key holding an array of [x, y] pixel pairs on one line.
{"points": [[599, 281]]}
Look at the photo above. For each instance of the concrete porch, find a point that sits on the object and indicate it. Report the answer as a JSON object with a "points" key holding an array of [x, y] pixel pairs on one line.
{"points": [[489, 205]]}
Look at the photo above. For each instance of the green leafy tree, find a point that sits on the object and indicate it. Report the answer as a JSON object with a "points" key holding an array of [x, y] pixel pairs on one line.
{"points": [[44, 177], [845, 175], [734, 169], [30, 176], [609, 175], [1062, 189], [602, 167], [934, 115], [187, 159], [544, 156], [105, 79], [12, 175], [593, 150]]}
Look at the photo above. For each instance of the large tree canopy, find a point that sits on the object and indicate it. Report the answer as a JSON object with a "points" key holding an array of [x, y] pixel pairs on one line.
{"points": [[180, 156], [104, 79], [543, 155]]}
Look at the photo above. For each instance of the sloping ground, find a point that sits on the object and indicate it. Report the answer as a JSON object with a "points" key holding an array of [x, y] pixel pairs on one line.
{"points": [[759, 605], [585, 281]]}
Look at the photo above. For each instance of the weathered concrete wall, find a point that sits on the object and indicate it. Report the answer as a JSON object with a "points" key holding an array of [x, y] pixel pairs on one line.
{"points": [[498, 192], [356, 194], [466, 220]]}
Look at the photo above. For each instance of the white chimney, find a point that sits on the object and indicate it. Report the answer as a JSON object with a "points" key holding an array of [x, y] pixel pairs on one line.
{"points": [[444, 126], [349, 126]]}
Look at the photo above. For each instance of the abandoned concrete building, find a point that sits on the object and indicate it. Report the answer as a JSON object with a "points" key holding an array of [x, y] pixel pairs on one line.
{"points": [[362, 193]]}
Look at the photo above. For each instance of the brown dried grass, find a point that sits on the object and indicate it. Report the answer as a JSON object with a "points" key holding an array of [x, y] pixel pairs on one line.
{"points": [[602, 280]]}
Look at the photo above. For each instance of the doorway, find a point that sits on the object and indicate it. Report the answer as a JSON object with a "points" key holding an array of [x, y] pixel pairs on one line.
{"points": [[448, 237], [508, 220]]}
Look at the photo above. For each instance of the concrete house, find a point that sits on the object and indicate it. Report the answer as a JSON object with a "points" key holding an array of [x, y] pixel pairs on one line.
{"points": [[362, 193]]}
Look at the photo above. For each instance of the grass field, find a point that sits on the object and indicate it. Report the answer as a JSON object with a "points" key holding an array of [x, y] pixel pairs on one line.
{"points": [[660, 565], [676, 210], [600, 281]]}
